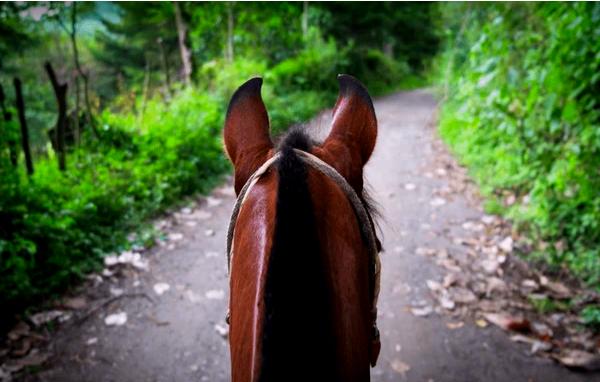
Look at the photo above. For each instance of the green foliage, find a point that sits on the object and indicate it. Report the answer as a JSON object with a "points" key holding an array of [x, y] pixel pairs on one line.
{"points": [[591, 316], [523, 113], [546, 305], [160, 141], [55, 226]]}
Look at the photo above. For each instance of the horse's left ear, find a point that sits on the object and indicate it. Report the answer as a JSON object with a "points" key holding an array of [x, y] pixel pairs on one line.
{"points": [[353, 131], [246, 132]]}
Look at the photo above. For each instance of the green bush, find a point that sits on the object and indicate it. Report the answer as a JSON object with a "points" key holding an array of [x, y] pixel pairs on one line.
{"points": [[523, 113], [55, 226]]}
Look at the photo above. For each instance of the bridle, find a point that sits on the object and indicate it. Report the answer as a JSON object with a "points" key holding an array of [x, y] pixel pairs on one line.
{"points": [[364, 221]]}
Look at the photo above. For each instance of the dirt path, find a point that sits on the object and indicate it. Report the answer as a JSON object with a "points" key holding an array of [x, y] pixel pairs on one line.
{"points": [[175, 337]]}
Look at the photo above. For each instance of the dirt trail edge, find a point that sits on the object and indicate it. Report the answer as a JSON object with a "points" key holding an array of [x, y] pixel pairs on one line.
{"points": [[167, 322]]}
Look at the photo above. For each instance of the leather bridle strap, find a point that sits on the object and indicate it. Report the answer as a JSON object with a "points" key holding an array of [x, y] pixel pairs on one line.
{"points": [[364, 222]]}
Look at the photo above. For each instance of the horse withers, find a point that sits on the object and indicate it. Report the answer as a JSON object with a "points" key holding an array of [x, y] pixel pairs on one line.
{"points": [[302, 250]]}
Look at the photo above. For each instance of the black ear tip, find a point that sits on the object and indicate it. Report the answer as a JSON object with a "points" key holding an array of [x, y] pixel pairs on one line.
{"points": [[350, 85], [250, 88], [252, 85]]}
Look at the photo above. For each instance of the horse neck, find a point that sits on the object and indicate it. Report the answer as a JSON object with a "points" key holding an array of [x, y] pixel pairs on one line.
{"points": [[316, 286]]}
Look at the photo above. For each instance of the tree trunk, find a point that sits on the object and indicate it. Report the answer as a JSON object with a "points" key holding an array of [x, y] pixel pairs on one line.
{"points": [[76, 131], [305, 19], [86, 91], [165, 65], [229, 52], [60, 91], [144, 92], [12, 144], [388, 49], [186, 55], [23, 122]]}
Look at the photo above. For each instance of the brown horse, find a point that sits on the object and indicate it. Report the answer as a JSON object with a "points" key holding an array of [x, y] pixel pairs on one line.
{"points": [[302, 278]]}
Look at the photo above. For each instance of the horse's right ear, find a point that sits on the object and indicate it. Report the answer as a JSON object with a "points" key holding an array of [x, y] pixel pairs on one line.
{"points": [[353, 131], [246, 132]]}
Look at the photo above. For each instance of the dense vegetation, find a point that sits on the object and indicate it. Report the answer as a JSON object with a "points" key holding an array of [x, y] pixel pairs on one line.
{"points": [[146, 89], [522, 89]]}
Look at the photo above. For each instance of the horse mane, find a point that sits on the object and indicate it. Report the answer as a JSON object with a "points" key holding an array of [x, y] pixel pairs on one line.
{"points": [[297, 296], [297, 304]]}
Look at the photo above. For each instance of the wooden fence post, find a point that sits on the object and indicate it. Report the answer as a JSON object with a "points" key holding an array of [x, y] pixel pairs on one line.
{"points": [[12, 144], [23, 123], [60, 91]]}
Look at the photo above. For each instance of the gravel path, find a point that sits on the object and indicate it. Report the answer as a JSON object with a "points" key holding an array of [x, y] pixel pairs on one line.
{"points": [[175, 337]]}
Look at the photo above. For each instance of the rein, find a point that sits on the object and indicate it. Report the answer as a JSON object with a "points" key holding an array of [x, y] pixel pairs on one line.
{"points": [[364, 222]]}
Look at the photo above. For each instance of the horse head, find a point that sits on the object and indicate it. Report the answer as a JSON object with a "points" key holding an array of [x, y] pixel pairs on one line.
{"points": [[304, 267]]}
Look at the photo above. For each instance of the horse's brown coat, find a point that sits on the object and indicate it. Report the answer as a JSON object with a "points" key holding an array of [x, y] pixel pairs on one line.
{"points": [[347, 149]]}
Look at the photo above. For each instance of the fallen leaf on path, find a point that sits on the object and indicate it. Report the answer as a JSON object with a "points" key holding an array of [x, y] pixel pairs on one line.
{"points": [[398, 249], [161, 288], [75, 303], [116, 291], [127, 257], [510, 200], [494, 284], [490, 266], [209, 232], [579, 359], [44, 317], [491, 305], [488, 219], [157, 321], [222, 330], [446, 302], [402, 288], [116, 319], [455, 325], [215, 294], [213, 202], [107, 273], [463, 296], [175, 236], [434, 286], [508, 322], [450, 265], [450, 279], [192, 296], [529, 284], [33, 359], [536, 345], [20, 329], [441, 172], [22, 348], [400, 367], [559, 290], [422, 312], [542, 330], [540, 346], [481, 323], [470, 226], [226, 190], [425, 251], [506, 245], [201, 215], [111, 260], [437, 202]]}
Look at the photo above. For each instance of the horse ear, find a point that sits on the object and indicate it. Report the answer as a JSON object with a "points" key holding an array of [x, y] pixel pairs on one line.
{"points": [[246, 132], [353, 131]]}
